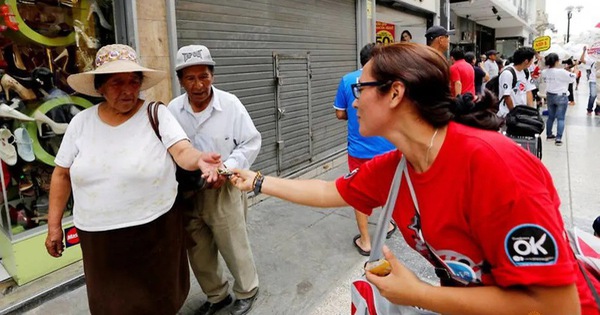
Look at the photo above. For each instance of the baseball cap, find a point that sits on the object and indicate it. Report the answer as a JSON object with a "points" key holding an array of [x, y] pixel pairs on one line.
{"points": [[436, 31], [491, 52], [193, 55]]}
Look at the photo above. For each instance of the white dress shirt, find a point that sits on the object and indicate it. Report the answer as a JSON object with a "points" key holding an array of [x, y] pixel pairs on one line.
{"points": [[224, 127]]}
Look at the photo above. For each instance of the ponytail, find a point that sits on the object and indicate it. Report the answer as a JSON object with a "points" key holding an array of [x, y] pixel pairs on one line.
{"points": [[476, 113]]}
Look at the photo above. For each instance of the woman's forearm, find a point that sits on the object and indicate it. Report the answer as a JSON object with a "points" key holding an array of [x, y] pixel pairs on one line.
{"points": [[60, 190], [498, 301], [309, 192]]}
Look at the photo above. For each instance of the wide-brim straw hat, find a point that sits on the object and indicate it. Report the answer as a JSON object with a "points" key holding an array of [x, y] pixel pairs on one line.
{"points": [[116, 58]]}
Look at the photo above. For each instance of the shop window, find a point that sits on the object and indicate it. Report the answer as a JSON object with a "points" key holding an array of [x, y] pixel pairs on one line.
{"points": [[43, 42]]}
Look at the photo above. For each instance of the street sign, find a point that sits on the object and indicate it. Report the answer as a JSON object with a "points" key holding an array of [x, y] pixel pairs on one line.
{"points": [[541, 43]]}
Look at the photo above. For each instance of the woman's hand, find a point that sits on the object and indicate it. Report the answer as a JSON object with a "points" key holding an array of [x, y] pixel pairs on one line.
{"points": [[54, 244], [243, 179], [208, 163], [401, 286]]}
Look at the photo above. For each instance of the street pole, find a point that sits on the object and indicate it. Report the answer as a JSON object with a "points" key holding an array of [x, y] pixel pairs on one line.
{"points": [[569, 15]]}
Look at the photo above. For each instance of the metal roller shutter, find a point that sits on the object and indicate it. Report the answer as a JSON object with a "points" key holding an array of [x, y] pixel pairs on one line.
{"points": [[284, 60]]}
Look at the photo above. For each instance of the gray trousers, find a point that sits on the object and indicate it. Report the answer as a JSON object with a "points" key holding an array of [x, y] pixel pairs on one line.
{"points": [[215, 221]]}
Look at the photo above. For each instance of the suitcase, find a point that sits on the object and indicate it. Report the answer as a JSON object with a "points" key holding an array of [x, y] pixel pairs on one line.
{"points": [[531, 144]]}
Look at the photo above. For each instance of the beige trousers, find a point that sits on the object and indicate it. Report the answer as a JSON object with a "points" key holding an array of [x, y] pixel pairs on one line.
{"points": [[215, 221]]}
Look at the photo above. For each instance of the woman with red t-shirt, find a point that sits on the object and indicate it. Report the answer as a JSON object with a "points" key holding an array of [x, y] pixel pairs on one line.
{"points": [[489, 215]]}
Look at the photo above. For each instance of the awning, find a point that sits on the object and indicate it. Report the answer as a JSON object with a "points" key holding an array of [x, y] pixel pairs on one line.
{"points": [[481, 11]]}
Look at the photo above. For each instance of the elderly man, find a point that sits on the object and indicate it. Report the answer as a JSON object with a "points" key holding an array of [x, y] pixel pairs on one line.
{"points": [[216, 217], [438, 38]]}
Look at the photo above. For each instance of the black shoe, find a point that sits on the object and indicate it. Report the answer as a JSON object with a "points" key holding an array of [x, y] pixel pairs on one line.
{"points": [[212, 308], [241, 307]]}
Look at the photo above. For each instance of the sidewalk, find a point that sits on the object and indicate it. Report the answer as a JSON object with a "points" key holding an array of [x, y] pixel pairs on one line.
{"points": [[305, 256]]}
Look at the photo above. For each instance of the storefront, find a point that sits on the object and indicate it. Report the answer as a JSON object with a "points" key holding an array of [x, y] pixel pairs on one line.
{"points": [[402, 18], [43, 42], [284, 61]]}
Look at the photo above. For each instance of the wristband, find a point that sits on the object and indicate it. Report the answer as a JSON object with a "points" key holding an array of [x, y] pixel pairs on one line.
{"points": [[257, 184]]}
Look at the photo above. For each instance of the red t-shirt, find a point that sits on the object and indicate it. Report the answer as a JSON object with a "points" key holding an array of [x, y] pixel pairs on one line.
{"points": [[463, 72], [489, 209]]}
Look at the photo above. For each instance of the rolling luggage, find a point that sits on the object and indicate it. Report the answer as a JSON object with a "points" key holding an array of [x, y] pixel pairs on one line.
{"points": [[532, 144]]}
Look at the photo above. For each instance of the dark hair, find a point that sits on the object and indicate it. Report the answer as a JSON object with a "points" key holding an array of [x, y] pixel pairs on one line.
{"points": [[523, 54], [365, 53], [100, 79], [551, 60], [402, 35], [469, 57], [457, 53], [180, 71], [596, 226], [425, 75]]}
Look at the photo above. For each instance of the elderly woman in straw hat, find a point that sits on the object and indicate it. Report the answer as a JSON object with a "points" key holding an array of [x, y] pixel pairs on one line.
{"points": [[123, 181]]}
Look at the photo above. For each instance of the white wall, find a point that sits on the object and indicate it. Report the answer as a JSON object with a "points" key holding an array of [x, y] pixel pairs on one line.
{"points": [[512, 32], [429, 5], [416, 25]]}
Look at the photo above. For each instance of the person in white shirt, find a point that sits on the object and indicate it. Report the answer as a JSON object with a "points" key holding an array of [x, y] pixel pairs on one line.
{"points": [[490, 66], [215, 218], [592, 83], [557, 82], [123, 181], [516, 93]]}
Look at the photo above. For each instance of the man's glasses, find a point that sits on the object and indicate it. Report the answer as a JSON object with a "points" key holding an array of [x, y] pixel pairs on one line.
{"points": [[357, 87]]}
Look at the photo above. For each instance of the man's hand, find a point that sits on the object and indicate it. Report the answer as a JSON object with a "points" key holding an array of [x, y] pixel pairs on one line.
{"points": [[54, 244], [208, 163], [221, 179]]}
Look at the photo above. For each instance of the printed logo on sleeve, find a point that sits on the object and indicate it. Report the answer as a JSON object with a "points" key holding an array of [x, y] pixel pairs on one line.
{"points": [[530, 244]]}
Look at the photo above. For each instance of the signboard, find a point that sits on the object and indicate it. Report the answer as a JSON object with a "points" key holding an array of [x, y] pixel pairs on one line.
{"points": [[594, 50], [541, 43], [385, 33]]}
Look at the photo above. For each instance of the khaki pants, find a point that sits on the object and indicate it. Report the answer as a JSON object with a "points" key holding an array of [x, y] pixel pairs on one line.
{"points": [[215, 221]]}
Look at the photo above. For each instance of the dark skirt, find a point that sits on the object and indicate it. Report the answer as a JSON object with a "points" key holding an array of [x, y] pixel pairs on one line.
{"points": [[137, 270]]}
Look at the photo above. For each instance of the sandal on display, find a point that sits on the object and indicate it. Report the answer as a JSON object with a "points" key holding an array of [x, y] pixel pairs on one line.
{"points": [[94, 8], [90, 42], [9, 83], [8, 153], [57, 128], [9, 112], [24, 145]]}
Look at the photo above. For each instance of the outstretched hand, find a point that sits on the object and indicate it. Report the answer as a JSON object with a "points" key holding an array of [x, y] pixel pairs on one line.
{"points": [[401, 286], [209, 162], [243, 179]]}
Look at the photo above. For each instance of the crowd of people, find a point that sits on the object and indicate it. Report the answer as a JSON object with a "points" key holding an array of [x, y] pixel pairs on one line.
{"points": [[477, 197]]}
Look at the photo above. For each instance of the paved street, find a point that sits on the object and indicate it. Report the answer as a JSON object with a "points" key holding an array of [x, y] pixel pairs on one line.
{"points": [[305, 256]]}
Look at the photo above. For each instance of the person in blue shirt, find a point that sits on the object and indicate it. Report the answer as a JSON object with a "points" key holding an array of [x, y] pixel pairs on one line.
{"points": [[360, 149]]}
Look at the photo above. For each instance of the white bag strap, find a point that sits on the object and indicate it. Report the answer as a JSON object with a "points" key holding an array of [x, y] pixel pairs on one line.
{"points": [[386, 214]]}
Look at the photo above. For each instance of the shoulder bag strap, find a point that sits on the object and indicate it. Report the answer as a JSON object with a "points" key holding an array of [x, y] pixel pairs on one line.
{"points": [[152, 111], [589, 282], [386, 214]]}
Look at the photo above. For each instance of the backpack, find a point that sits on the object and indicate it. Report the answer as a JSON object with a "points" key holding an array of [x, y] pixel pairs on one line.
{"points": [[493, 85], [524, 121]]}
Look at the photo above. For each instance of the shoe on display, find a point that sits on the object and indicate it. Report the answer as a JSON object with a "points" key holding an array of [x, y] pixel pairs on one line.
{"points": [[24, 183], [9, 83], [9, 112], [57, 128], [212, 308], [8, 152], [24, 145]]}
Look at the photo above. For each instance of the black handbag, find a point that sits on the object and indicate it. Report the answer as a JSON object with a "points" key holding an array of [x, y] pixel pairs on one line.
{"points": [[189, 181]]}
